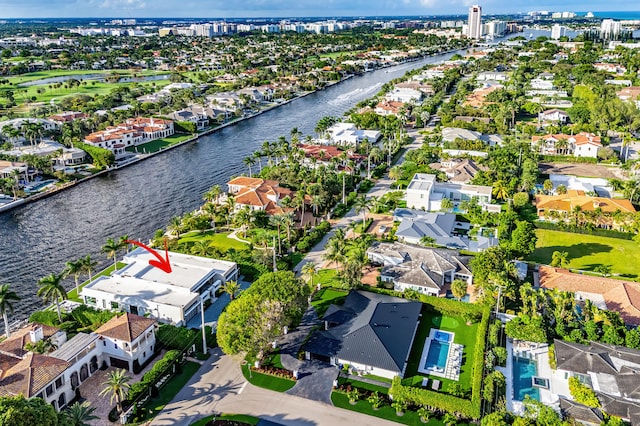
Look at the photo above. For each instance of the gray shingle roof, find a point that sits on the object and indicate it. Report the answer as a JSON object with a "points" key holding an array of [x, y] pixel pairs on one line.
{"points": [[580, 412], [379, 334]]}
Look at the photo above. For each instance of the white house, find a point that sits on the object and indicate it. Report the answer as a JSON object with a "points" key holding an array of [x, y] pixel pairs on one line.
{"points": [[404, 94], [555, 115], [128, 341], [172, 297], [348, 134], [542, 84], [580, 145], [492, 76], [425, 193]]}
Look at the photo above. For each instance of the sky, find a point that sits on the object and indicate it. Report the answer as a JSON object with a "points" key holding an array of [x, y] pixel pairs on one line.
{"points": [[287, 8]]}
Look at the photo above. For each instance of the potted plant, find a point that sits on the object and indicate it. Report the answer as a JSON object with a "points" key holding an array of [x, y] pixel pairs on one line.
{"points": [[399, 405], [424, 414], [353, 396], [375, 400]]}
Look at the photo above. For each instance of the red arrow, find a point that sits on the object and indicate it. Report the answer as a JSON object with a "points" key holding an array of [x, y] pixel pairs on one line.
{"points": [[160, 263]]}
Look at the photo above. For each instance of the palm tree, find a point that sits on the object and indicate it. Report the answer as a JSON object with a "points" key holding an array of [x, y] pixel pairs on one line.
{"points": [[175, 226], [500, 190], [111, 248], [362, 204], [123, 242], [458, 289], [6, 297], [249, 161], [213, 194], [88, 266], [310, 269], [395, 173], [80, 414], [232, 288], [52, 290], [116, 386], [75, 269], [200, 248], [560, 258]]}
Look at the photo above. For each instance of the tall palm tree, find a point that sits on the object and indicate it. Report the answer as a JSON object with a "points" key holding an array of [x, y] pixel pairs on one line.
{"points": [[89, 266], [200, 248], [249, 161], [310, 269], [111, 248], [362, 204], [75, 269], [232, 288], [213, 194], [277, 220], [6, 297], [500, 190], [52, 290], [116, 386], [80, 414], [123, 242]]}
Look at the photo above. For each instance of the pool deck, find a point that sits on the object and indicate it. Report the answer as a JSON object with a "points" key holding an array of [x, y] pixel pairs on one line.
{"points": [[540, 353], [450, 370]]}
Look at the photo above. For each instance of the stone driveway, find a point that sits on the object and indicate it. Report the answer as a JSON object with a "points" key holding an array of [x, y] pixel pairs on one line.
{"points": [[90, 391]]}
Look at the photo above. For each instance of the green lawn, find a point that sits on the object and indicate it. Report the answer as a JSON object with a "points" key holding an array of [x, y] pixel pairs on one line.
{"points": [[250, 420], [464, 335], [588, 251], [168, 391], [72, 294], [325, 297], [362, 385], [220, 240], [327, 278], [159, 144], [267, 381], [340, 400]]}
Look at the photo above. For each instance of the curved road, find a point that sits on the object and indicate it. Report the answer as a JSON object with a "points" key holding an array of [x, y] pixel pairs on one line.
{"points": [[220, 387]]}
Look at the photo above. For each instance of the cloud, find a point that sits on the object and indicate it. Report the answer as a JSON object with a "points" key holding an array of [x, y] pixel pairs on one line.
{"points": [[121, 4]]}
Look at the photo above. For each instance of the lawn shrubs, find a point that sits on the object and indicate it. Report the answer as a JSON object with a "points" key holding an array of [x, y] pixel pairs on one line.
{"points": [[312, 237], [172, 337], [155, 375], [274, 371]]}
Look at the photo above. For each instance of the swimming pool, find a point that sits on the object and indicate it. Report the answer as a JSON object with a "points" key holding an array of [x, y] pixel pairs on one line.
{"points": [[523, 372], [443, 336], [38, 186], [437, 355]]}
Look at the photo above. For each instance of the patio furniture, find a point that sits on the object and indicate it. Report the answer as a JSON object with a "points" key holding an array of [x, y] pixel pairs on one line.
{"points": [[435, 385], [425, 382]]}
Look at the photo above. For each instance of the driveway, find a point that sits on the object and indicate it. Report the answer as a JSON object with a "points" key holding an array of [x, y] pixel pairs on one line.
{"points": [[315, 381], [219, 387]]}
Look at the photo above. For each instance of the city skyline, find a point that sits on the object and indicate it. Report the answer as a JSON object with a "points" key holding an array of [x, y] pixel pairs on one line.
{"points": [[282, 8]]}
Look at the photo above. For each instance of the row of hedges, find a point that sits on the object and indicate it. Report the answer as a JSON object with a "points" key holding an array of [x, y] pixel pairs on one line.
{"points": [[433, 400], [599, 232], [567, 159], [100, 157], [152, 376], [274, 371], [478, 360], [307, 242]]}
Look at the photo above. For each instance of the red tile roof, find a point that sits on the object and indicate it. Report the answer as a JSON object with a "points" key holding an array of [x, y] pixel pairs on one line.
{"points": [[127, 327], [30, 375]]}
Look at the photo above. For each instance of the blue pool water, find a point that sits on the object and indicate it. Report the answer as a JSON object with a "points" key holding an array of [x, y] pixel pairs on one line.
{"points": [[437, 356], [38, 186], [523, 371], [443, 336]]}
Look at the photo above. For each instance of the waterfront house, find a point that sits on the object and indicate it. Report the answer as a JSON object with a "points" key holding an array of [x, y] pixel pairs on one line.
{"points": [[7, 168], [348, 134], [191, 115], [426, 89], [259, 194], [133, 132], [425, 193], [425, 270], [128, 341], [404, 95], [172, 297], [316, 155], [371, 333], [67, 117], [387, 107]]}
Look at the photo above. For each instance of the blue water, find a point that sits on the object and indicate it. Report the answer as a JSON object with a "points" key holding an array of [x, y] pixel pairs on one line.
{"points": [[38, 186], [437, 356], [442, 336], [523, 371]]}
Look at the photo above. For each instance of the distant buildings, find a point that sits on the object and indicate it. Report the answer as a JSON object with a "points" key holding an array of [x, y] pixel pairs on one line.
{"points": [[581, 145], [609, 28], [133, 132], [474, 23], [558, 31]]}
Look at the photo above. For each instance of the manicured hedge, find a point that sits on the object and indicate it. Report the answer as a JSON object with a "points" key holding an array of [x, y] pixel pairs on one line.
{"points": [[450, 403], [101, 157], [173, 337], [307, 242], [599, 232], [184, 127], [152, 376]]}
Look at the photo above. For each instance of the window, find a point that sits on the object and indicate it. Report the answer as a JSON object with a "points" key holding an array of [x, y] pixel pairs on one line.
{"points": [[49, 390], [104, 343], [90, 300], [115, 345], [59, 382], [114, 305], [144, 354]]}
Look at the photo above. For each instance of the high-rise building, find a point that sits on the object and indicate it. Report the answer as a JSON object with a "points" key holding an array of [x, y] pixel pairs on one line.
{"points": [[558, 31], [610, 28], [474, 26]]}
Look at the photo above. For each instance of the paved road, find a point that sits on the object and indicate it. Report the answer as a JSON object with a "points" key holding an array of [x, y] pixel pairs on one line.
{"points": [[219, 387]]}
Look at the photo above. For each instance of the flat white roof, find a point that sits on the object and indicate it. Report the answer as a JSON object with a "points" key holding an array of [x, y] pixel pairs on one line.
{"points": [[186, 271], [421, 181]]}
